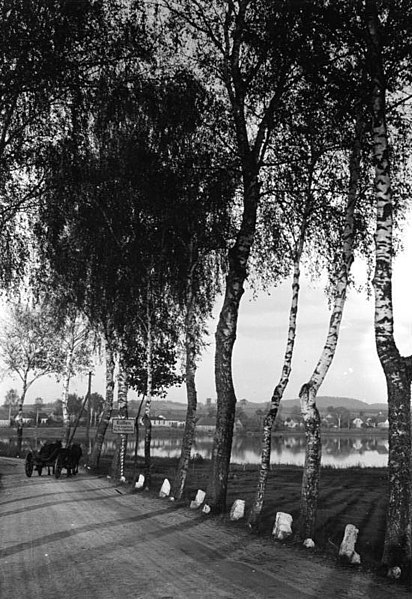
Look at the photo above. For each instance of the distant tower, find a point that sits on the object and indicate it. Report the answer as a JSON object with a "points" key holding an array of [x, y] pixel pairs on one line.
{"points": [[208, 402]]}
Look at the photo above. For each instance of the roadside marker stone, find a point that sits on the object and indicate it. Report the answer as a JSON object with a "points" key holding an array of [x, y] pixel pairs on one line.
{"points": [[347, 547], [283, 526], [165, 490], [309, 543], [198, 500], [394, 572], [140, 482], [237, 510]]}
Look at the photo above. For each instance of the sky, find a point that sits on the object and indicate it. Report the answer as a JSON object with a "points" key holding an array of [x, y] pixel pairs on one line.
{"points": [[259, 348], [260, 345]]}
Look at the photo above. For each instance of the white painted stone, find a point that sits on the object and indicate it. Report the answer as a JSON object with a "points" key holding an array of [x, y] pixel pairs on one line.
{"points": [[237, 510], [122, 479], [283, 526], [347, 547], [394, 572], [200, 496], [140, 482], [206, 509], [165, 490], [198, 500], [309, 543]]}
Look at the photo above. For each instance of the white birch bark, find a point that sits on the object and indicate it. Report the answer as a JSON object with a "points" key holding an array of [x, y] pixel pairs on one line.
{"points": [[65, 394], [397, 369], [107, 408], [308, 392], [280, 387], [118, 462]]}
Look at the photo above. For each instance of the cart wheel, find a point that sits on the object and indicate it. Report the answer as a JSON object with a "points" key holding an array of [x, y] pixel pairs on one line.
{"points": [[39, 470], [58, 469], [28, 465]]}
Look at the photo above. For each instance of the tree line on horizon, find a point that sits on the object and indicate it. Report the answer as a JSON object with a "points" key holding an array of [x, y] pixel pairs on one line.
{"points": [[154, 155]]}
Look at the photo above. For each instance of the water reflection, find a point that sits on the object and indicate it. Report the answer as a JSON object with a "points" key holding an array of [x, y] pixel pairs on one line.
{"points": [[338, 451]]}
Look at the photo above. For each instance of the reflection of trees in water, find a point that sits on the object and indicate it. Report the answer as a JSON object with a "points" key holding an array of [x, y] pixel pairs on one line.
{"points": [[8, 446], [340, 447], [286, 449]]}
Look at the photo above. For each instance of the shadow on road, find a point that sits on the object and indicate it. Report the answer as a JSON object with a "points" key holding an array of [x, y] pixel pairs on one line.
{"points": [[51, 538]]}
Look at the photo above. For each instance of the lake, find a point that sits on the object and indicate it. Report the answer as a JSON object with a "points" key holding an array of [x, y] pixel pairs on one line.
{"points": [[340, 451]]}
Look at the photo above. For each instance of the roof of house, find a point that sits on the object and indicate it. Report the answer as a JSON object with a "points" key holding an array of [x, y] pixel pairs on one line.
{"points": [[381, 418]]}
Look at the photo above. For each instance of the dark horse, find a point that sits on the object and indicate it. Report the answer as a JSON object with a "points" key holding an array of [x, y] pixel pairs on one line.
{"points": [[69, 458]]}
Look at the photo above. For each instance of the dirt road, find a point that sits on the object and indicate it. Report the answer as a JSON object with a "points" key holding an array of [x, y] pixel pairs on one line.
{"points": [[84, 538]]}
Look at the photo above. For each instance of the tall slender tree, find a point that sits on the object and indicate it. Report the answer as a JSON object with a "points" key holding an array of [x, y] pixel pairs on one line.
{"points": [[283, 381], [397, 369], [108, 402], [308, 392], [119, 457], [248, 51], [11, 400]]}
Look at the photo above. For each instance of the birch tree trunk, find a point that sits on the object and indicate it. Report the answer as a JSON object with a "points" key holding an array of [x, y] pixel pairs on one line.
{"points": [[19, 417], [225, 339], [308, 392], [118, 462], [397, 369], [149, 389], [65, 394], [279, 390], [107, 409], [190, 424]]}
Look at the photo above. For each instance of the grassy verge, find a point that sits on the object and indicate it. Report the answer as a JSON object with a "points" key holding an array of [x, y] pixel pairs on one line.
{"points": [[352, 496]]}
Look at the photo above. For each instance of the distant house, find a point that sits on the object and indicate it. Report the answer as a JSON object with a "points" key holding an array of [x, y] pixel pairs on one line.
{"points": [[292, 423], [206, 424], [43, 418], [329, 421], [382, 422], [357, 422], [27, 419], [162, 422]]}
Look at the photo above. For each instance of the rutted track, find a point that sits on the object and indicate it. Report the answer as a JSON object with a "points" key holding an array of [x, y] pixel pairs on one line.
{"points": [[83, 538]]}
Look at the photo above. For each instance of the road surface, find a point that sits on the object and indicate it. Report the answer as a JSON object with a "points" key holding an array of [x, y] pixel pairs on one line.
{"points": [[84, 538]]}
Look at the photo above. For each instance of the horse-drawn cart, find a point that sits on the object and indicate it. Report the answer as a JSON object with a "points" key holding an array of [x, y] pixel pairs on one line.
{"points": [[44, 458], [54, 457]]}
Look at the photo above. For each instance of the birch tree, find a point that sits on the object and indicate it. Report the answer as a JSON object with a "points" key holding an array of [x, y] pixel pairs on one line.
{"points": [[283, 381], [41, 58], [237, 45], [11, 401], [119, 457], [397, 368], [29, 347], [76, 346], [108, 403], [308, 392]]}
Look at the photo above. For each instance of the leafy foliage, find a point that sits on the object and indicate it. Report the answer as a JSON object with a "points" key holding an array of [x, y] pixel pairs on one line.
{"points": [[29, 347]]}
